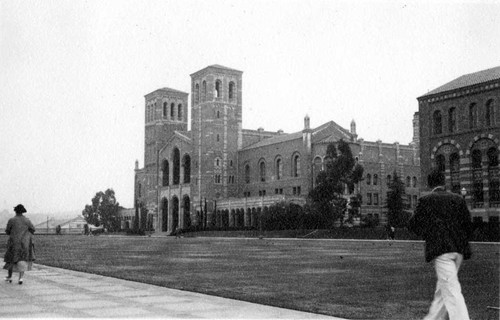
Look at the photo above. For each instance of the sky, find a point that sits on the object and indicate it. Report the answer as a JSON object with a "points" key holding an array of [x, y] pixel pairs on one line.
{"points": [[73, 75]]}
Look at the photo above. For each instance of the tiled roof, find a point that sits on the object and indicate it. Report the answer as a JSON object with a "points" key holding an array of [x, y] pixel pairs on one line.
{"points": [[327, 132], [222, 67], [167, 89], [468, 80], [276, 139]]}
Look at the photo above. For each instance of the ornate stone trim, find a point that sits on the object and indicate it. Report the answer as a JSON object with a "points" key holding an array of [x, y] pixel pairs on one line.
{"points": [[446, 141], [483, 136]]}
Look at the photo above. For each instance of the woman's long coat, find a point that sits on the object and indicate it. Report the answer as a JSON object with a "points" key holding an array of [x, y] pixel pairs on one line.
{"points": [[20, 246]]}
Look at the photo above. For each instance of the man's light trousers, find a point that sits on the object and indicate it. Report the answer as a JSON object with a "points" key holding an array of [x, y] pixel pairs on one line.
{"points": [[448, 298]]}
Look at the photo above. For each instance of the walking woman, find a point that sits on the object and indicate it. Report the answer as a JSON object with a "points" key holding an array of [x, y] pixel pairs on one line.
{"points": [[20, 246]]}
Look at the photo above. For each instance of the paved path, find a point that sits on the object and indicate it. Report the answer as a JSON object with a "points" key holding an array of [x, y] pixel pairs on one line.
{"points": [[58, 293]]}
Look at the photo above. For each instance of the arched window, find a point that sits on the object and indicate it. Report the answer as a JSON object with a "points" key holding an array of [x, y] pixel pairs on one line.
{"points": [[197, 93], [165, 109], [472, 116], [492, 154], [296, 166], [408, 182], [262, 171], [437, 122], [179, 111], [231, 90], [368, 179], [389, 179], [375, 179], [317, 167], [452, 119], [204, 90], [490, 113], [217, 162], [493, 177], [218, 137], [166, 173], [177, 166], [440, 162], [476, 159], [455, 172], [247, 173], [414, 182], [218, 89], [172, 111], [279, 169], [187, 168]]}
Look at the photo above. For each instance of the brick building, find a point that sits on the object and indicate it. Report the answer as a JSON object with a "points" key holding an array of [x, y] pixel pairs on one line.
{"points": [[219, 174], [459, 134]]}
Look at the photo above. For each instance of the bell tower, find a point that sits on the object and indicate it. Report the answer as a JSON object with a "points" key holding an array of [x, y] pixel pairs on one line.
{"points": [[216, 114], [165, 112]]}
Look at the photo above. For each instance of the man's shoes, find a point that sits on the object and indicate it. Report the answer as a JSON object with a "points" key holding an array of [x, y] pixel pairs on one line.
{"points": [[20, 281], [8, 279]]}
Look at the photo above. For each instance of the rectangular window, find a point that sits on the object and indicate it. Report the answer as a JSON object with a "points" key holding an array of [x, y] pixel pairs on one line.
{"points": [[415, 201], [409, 204], [298, 190], [281, 190], [294, 190], [375, 199], [275, 191], [369, 198]]}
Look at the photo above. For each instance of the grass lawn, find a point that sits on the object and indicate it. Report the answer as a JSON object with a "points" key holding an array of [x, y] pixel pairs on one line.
{"points": [[350, 279]]}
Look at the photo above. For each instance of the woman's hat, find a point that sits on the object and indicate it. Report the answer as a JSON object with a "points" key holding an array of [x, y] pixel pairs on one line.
{"points": [[19, 209]]}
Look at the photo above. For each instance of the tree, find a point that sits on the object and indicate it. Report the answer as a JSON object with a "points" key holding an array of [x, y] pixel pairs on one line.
{"points": [[340, 176], [103, 210], [396, 213]]}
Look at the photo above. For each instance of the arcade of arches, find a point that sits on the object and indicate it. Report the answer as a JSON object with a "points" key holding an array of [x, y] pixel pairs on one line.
{"points": [[476, 170]]}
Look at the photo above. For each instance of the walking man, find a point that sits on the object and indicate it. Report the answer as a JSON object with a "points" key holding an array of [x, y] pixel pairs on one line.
{"points": [[443, 220]]}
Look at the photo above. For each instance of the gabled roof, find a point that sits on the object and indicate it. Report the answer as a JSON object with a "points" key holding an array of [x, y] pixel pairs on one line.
{"points": [[330, 132], [183, 135], [468, 80]]}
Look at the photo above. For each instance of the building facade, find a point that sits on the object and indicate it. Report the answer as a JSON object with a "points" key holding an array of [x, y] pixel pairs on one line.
{"points": [[218, 174], [459, 134]]}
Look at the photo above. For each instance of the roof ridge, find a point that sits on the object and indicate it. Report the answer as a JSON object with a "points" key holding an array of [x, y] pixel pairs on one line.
{"points": [[467, 80]]}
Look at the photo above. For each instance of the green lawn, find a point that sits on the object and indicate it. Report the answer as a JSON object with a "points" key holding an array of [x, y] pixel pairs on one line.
{"points": [[351, 279]]}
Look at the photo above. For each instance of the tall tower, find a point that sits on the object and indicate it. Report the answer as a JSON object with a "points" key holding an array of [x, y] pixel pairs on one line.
{"points": [[165, 112], [216, 113]]}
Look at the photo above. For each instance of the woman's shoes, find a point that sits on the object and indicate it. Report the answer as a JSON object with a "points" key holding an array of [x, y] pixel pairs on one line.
{"points": [[20, 281], [8, 279]]}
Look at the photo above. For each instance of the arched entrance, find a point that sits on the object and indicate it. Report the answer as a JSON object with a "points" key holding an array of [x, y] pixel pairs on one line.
{"points": [[187, 211], [164, 214], [175, 213]]}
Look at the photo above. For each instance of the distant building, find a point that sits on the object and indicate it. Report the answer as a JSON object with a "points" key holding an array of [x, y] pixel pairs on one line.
{"points": [[220, 175], [459, 134], [68, 226]]}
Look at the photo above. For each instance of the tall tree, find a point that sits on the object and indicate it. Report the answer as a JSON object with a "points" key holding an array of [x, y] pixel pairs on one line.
{"points": [[340, 176], [103, 210], [396, 213]]}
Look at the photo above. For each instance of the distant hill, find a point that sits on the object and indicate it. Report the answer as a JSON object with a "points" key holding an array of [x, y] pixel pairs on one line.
{"points": [[37, 218]]}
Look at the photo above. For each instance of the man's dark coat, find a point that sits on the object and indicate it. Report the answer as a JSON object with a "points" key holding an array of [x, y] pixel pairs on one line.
{"points": [[443, 220]]}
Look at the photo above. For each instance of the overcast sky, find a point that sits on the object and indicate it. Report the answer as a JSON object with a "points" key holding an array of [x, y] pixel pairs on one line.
{"points": [[73, 75]]}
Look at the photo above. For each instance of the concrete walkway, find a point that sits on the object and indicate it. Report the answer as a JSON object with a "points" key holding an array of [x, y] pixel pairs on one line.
{"points": [[50, 292]]}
